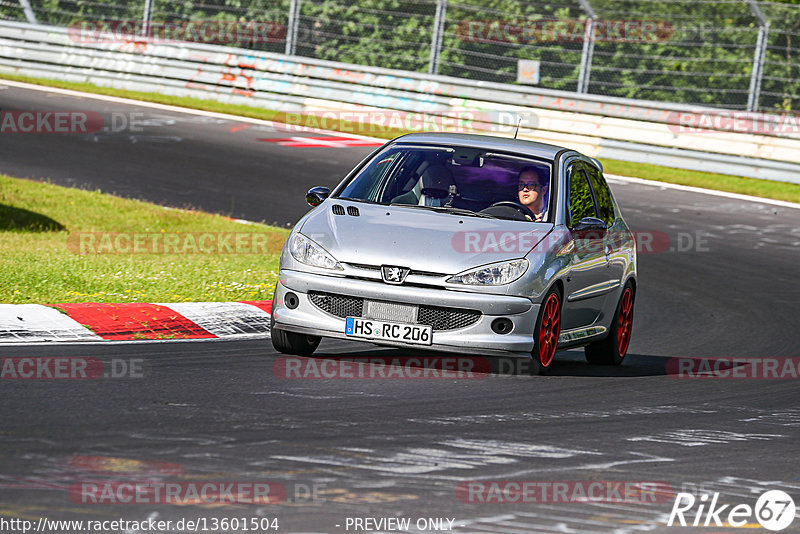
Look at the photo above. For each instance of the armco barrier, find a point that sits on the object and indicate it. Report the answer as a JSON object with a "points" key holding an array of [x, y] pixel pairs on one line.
{"points": [[598, 126]]}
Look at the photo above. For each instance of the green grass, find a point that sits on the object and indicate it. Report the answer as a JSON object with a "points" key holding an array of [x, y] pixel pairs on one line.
{"points": [[721, 182], [41, 262]]}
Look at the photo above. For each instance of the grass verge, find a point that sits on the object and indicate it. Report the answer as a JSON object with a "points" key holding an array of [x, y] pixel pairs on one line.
{"points": [[42, 259], [721, 182]]}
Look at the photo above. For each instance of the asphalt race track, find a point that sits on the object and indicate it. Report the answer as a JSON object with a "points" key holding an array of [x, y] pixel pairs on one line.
{"points": [[174, 159], [724, 284]]}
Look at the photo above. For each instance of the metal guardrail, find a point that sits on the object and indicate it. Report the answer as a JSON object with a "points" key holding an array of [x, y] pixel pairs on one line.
{"points": [[598, 126]]}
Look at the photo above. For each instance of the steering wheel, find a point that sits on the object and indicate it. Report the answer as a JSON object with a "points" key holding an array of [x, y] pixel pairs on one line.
{"points": [[522, 208]]}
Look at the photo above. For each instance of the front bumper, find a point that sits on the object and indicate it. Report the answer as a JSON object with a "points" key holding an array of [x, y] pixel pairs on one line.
{"points": [[478, 338]]}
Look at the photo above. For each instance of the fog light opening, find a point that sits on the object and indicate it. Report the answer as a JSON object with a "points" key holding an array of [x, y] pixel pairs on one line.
{"points": [[502, 326], [291, 301]]}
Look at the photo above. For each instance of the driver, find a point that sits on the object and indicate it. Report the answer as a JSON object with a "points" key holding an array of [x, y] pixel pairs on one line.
{"points": [[532, 188]]}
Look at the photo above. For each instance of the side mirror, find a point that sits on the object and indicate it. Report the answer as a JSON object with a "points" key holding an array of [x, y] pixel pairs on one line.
{"points": [[317, 195], [590, 224]]}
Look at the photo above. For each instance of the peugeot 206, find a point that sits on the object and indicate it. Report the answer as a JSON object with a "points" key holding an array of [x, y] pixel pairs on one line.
{"points": [[462, 243]]}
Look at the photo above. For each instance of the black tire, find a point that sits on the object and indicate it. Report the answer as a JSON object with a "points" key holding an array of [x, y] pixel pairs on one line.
{"points": [[543, 353], [290, 342], [612, 349], [293, 343]]}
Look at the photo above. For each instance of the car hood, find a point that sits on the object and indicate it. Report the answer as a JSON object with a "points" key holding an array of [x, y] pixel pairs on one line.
{"points": [[419, 239]]}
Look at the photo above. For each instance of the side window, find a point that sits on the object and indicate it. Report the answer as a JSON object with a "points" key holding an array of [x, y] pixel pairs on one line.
{"points": [[581, 203], [602, 194]]}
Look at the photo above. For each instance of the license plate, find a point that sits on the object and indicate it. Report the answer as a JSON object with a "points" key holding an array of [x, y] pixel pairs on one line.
{"points": [[416, 334]]}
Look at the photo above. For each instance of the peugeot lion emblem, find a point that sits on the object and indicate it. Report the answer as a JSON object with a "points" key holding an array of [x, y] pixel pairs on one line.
{"points": [[394, 275]]}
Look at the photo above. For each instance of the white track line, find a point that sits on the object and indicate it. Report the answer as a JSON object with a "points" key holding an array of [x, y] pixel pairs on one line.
{"points": [[237, 118]]}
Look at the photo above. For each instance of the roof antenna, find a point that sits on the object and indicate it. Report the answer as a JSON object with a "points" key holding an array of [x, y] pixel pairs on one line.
{"points": [[519, 121]]}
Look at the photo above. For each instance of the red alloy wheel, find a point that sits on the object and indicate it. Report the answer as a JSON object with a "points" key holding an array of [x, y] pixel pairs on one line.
{"points": [[625, 322], [549, 330]]}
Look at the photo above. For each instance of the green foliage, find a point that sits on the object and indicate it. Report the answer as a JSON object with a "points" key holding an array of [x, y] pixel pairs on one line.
{"points": [[385, 33]]}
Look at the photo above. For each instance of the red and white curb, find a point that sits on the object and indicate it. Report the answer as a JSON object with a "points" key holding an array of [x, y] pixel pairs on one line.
{"points": [[25, 323]]}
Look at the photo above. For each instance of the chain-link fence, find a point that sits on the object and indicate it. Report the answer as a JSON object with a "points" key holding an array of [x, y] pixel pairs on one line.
{"points": [[394, 33], [738, 54], [11, 10]]}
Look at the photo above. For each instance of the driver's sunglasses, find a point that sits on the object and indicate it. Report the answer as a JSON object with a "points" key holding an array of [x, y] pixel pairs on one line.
{"points": [[530, 186]]}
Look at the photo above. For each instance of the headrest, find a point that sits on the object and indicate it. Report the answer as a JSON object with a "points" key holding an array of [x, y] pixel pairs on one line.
{"points": [[437, 177]]}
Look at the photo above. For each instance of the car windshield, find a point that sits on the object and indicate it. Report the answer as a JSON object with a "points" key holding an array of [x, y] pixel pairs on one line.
{"points": [[461, 180]]}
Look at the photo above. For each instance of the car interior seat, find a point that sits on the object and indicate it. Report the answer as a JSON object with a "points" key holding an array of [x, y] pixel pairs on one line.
{"points": [[430, 190]]}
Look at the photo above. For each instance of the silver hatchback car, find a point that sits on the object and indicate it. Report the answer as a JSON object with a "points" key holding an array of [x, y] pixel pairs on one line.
{"points": [[462, 243]]}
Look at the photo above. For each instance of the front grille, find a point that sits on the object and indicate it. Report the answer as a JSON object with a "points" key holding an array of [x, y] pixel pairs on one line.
{"points": [[366, 267], [412, 271], [438, 317], [338, 305], [428, 273], [447, 318]]}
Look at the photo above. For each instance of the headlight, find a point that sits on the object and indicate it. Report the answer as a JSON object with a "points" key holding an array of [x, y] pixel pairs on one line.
{"points": [[306, 251], [496, 274]]}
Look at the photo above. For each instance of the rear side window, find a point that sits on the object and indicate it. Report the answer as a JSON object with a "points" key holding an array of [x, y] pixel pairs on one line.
{"points": [[602, 194], [581, 203]]}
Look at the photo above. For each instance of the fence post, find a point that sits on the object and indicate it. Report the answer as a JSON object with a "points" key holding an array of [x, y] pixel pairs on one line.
{"points": [[291, 30], [588, 47], [586, 57], [28, 10], [436, 40], [758, 56], [147, 17]]}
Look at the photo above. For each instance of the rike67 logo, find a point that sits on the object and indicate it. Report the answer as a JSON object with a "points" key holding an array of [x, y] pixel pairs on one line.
{"points": [[774, 510]]}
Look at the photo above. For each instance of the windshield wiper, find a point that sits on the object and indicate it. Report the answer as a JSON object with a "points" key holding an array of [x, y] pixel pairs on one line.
{"points": [[360, 200], [468, 213], [444, 209]]}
